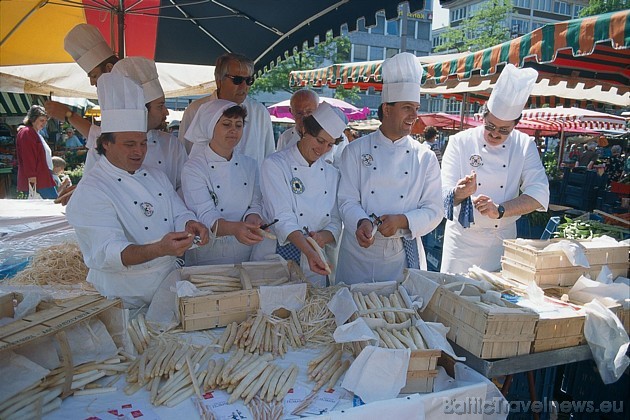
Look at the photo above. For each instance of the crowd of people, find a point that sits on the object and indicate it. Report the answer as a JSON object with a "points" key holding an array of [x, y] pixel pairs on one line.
{"points": [[218, 190]]}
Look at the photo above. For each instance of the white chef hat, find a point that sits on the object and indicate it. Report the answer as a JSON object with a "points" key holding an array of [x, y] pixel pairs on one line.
{"points": [[122, 104], [401, 78], [511, 92], [142, 71], [330, 118], [86, 46], [202, 126]]}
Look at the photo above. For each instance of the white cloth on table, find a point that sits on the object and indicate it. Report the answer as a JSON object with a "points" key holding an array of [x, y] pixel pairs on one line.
{"points": [[503, 172], [384, 177], [235, 186], [112, 209]]}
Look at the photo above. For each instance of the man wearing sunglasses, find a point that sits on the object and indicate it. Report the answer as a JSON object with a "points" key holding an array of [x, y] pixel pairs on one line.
{"points": [[491, 175], [233, 76]]}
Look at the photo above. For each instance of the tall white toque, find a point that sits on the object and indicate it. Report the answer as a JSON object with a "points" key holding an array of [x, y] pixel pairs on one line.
{"points": [[402, 75], [122, 104], [511, 92], [202, 126], [330, 119], [144, 72], [87, 46]]}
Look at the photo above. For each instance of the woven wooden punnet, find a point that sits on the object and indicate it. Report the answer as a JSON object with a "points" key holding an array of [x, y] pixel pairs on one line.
{"points": [[558, 331], [220, 309], [422, 371], [527, 262]]}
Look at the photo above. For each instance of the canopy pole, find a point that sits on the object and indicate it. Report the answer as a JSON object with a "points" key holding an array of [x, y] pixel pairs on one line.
{"points": [[462, 111], [561, 148], [121, 29]]}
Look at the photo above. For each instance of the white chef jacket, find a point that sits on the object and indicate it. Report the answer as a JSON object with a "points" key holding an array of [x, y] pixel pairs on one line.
{"points": [[300, 195], [257, 141], [112, 209], [290, 137], [503, 172], [236, 187], [384, 177], [164, 152]]}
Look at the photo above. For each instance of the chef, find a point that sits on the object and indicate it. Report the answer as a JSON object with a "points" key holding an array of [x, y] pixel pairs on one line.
{"points": [[90, 51], [491, 175], [389, 193], [221, 185], [164, 151], [300, 190], [130, 223]]}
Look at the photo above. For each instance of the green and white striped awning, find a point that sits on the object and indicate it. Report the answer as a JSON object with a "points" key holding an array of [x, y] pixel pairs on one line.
{"points": [[17, 104]]}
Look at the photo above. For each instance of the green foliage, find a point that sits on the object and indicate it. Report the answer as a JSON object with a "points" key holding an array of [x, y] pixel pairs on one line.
{"points": [[349, 95], [336, 50], [486, 28], [76, 174], [597, 7], [74, 158], [550, 162]]}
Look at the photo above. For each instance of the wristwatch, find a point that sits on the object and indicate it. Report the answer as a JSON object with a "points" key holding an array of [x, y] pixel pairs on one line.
{"points": [[69, 114], [501, 211]]}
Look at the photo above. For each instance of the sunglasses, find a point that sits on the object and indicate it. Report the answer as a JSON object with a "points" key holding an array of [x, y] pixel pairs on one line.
{"points": [[503, 131], [237, 80]]}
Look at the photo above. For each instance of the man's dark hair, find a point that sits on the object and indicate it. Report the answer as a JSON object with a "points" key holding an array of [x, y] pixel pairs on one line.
{"points": [[484, 111], [111, 60], [430, 132], [104, 138], [379, 112]]}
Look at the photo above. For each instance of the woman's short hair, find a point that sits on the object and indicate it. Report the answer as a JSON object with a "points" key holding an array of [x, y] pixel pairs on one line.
{"points": [[33, 114], [236, 111], [312, 127]]}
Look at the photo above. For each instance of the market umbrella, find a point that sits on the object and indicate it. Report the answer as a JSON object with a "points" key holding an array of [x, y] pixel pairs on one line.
{"points": [[584, 61], [181, 31], [282, 109], [442, 121]]}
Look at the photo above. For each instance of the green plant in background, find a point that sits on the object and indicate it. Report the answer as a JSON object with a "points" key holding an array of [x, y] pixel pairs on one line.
{"points": [[550, 162], [74, 158], [76, 174]]}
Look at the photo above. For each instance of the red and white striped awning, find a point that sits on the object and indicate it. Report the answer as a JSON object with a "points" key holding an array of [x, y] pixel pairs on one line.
{"points": [[576, 118]]}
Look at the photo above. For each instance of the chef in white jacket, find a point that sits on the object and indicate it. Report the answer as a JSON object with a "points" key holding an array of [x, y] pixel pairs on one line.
{"points": [[390, 190], [491, 175], [233, 75], [300, 190], [221, 185], [130, 223]]}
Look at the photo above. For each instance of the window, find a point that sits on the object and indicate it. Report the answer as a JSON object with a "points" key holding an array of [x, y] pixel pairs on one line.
{"points": [[562, 8], [411, 28], [360, 52], [576, 10], [361, 25], [392, 27], [390, 52], [376, 53], [458, 14], [380, 25], [544, 5], [525, 4], [536, 25], [424, 30], [520, 26]]}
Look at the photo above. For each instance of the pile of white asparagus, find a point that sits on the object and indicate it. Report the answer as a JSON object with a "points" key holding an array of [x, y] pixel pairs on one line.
{"points": [[264, 333], [45, 396], [327, 368], [223, 283]]}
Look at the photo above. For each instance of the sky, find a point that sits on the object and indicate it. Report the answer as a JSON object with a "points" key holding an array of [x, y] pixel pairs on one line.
{"points": [[440, 15]]}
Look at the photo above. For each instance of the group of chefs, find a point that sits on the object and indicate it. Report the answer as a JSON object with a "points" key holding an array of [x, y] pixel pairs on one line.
{"points": [[144, 201]]}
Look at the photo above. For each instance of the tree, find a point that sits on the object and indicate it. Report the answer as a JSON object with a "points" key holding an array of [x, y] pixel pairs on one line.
{"points": [[336, 50], [597, 7], [485, 28]]}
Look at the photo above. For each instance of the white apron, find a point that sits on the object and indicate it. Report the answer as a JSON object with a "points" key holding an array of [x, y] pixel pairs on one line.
{"points": [[215, 188], [299, 195]]}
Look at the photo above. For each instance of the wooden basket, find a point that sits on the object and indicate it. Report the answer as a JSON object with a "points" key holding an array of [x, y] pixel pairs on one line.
{"points": [[554, 276], [560, 331], [422, 371], [483, 331], [533, 256], [220, 309]]}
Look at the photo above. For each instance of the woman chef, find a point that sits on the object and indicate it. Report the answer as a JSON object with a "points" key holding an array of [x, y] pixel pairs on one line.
{"points": [[221, 186], [491, 175], [300, 190]]}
